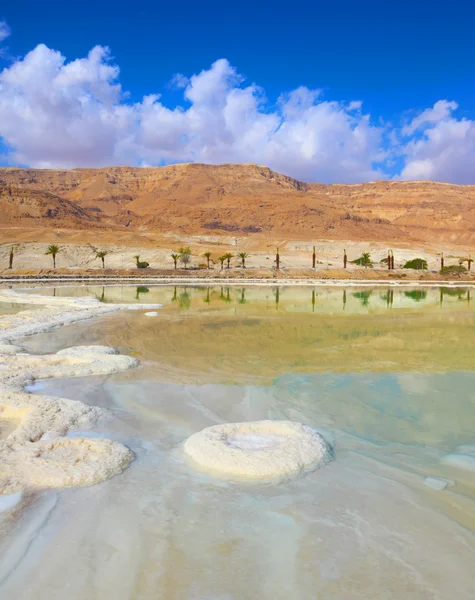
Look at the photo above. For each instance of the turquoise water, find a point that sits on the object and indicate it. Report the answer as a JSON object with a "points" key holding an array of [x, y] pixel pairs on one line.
{"points": [[389, 383]]}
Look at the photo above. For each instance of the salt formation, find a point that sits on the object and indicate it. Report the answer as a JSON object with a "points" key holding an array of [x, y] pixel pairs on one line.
{"points": [[151, 314], [34, 454], [258, 450], [33, 451]]}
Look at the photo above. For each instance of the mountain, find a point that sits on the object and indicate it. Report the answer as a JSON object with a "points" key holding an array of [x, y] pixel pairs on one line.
{"points": [[236, 200]]}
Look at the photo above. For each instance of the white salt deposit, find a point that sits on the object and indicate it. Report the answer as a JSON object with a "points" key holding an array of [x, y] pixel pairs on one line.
{"points": [[33, 454], [258, 450], [151, 314]]}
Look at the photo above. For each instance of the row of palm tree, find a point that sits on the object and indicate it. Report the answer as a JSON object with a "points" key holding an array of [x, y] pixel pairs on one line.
{"points": [[184, 255]]}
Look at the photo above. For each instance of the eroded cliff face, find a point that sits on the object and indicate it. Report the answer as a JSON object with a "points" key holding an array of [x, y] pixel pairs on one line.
{"points": [[244, 200]]}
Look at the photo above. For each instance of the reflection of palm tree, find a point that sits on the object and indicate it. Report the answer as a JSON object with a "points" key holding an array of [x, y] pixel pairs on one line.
{"points": [[102, 296], [344, 299], [228, 297], [207, 299], [363, 297], [313, 300], [416, 295], [277, 298], [141, 290], [184, 299], [174, 299], [243, 299]]}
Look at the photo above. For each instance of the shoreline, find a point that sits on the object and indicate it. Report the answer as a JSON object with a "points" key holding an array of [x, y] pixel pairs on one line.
{"points": [[35, 453], [115, 281]]}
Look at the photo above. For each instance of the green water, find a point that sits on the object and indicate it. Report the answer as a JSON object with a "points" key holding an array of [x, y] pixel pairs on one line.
{"points": [[387, 376]]}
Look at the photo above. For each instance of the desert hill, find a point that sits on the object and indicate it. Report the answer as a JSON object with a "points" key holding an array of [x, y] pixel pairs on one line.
{"points": [[233, 200]]}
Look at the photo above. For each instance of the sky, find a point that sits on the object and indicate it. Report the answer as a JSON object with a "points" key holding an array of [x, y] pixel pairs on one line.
{"points": [[338, 92]]}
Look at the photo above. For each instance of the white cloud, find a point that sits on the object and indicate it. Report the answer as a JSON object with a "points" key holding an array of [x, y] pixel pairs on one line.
{"points": [[5, 30], [55, 113], [443, 147], [59, 114]]}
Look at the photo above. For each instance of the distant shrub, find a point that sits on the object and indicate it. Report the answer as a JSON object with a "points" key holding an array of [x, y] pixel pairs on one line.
{"points": [[364, 260], [453, 270], [416, 263]]}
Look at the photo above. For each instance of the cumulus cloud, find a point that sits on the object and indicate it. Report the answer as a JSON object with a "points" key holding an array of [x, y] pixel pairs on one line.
{"points": [[55, 113], [441, 148], [5, 30]]}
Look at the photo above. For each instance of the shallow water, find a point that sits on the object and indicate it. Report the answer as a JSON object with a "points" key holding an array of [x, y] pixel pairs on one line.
{"points": [[387, 377]]}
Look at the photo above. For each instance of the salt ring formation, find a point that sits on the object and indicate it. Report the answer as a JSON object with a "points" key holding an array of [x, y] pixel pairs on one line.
{"points": [[260, 451], [35, 453]]}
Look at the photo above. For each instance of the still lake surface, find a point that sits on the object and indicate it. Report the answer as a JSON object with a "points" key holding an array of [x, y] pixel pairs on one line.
{"points": [[386, 375]]}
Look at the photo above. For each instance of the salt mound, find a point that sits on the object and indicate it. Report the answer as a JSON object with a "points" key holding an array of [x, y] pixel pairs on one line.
{"points": [[151, 314], [68, 462], [258, 450]]}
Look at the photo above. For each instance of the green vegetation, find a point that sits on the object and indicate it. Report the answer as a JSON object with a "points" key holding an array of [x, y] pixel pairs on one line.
{"points": [[102, 254], [185, 256], [53, 250], [221, 260], [416, 263], [243, 256], [364, 260], [141, 265], [453, 270], [208, 256], [175, 258], [228, 256]]}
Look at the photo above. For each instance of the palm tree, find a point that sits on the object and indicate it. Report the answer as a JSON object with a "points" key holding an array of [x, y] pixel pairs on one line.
{"points": [[277, 259], [53, 250], [345, 258], [185, 256], [364, 260], [208, 256], [221, 260], [175, 258], [12, 252], [141, 264], [314, 258], [243, 256], [102, 254], [228, 256]]}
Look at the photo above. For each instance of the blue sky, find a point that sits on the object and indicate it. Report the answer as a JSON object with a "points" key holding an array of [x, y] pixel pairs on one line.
{"points": [[400, 60]]}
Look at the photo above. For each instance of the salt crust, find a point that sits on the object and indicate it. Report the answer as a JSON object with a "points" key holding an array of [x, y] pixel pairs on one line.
{"points": [[258, 451], [34, 454]]}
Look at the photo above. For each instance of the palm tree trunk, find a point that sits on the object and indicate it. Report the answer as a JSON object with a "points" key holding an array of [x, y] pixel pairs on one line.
{"points": [[54, 261], [103, 263]]}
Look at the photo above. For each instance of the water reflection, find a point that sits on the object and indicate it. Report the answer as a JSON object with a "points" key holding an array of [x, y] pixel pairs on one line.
{"points": [[282, 298]]}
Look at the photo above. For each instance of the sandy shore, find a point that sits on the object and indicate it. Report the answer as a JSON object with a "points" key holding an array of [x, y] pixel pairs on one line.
{"points": [[34, 452]]}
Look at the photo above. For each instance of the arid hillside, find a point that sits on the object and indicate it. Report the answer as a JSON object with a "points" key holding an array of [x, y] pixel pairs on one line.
{"points": [[232, 200]]}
